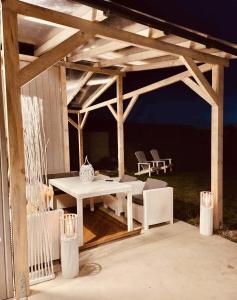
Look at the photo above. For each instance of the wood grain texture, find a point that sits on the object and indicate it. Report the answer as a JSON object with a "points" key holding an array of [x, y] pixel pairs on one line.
{"points": [[16, 146], [217, 145], [47, 86], [120, 128], [6, 278]]}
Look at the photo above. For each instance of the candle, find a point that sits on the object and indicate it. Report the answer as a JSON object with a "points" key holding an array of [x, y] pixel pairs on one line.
{"points": [[69, 230]]}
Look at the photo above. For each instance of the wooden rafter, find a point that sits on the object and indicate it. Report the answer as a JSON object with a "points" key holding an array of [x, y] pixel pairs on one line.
{"points": [[104, 31], [98, 92], [154, 86], [200, 78], [80, 85], [48, 59], [54, 41]]}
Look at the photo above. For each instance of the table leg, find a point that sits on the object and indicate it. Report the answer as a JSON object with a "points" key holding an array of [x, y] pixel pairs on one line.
{"points": [[92, 206], [129, 211], [80, 221]]}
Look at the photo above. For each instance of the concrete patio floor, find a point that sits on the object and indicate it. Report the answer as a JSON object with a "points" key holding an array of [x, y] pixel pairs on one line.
{"points": [[168, 262]]}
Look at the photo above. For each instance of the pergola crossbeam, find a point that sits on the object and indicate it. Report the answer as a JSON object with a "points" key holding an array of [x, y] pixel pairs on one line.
{"points": [[154, 86], [107, 32]]}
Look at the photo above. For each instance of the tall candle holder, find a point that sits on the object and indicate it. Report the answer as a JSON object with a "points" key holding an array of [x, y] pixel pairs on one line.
{"points": [[69, 246], [206, 213]]}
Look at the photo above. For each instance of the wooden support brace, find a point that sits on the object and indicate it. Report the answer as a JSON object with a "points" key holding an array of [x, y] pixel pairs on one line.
{"points": [[80, 140], [73, 123], [129, 107], [110, 107], [83, 122], [198, 90], [200, 78], [48, 59]]}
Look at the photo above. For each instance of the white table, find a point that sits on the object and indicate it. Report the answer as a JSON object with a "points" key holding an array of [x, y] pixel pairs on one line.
{"points": [[79, 190]]}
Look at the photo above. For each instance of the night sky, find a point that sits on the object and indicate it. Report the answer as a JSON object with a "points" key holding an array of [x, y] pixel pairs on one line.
{"points": [[177, 104]]}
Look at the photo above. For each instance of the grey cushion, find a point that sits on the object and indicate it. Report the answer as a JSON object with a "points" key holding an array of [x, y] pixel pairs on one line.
{"points": [[154, 184], [128, 178], [137, 199]]}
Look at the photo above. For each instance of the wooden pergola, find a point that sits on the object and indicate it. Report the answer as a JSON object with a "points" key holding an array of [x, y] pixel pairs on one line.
{"points": [[99, 48]]}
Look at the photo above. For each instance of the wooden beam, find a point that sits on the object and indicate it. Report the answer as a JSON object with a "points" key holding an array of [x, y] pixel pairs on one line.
{"points": [[114, 34], [83, 122], [217, 145], [120, 129], [129, 107], [48, 59], [73, 123], [132, 57], [6, 281], [80, 85], [80, 141], [198, 90], [85, 68], [200, 78], [110, 107], [66, 152], [149, 88], [98, 92], [54, 41], [160, 64], [16, 146]]}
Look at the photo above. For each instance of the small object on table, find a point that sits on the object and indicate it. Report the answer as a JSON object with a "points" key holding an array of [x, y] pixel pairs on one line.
{"points": [[206, 213], [69, 246]]}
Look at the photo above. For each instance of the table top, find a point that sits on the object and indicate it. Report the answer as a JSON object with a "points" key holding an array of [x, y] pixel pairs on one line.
{"points": [[74, 187]]}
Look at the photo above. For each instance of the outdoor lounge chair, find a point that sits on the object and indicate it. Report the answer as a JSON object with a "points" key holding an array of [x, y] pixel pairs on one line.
{"points": [[156, 157], [154, 203], [145, 166]]}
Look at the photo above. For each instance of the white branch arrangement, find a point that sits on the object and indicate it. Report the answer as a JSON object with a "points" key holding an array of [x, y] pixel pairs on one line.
{"points": [[38, 194]]}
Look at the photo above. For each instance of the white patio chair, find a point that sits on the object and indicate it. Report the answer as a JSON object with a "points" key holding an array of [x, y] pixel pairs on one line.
{"points": [[156, 157], [145, 166], [154, 203]]}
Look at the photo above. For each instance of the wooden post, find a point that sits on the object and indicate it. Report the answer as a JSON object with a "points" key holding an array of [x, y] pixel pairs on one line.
{"points": [[66, 153], [15, 145], [217, 145], [80, 140], [120, 129]]}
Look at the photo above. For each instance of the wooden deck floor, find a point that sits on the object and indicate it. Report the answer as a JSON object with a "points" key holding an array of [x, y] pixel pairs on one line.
{"points": [[102, 226]]}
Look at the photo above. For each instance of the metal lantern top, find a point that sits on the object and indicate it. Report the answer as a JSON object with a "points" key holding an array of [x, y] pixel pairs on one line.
{"points": [[87, 173], [207, 199], [69, 226]]}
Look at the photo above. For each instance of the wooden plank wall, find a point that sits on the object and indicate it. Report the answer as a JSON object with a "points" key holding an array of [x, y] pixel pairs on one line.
{"points": [[47, 86]]}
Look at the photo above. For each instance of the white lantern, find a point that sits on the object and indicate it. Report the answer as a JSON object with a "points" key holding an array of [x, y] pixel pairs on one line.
{"points": [[87, 173], [206, 213]]}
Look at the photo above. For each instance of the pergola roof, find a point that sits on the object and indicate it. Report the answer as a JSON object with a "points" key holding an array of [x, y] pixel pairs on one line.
{"points": [[110, 55]]}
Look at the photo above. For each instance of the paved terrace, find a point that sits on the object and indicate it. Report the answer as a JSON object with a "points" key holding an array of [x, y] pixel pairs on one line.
{"points": [[169, 262]]}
